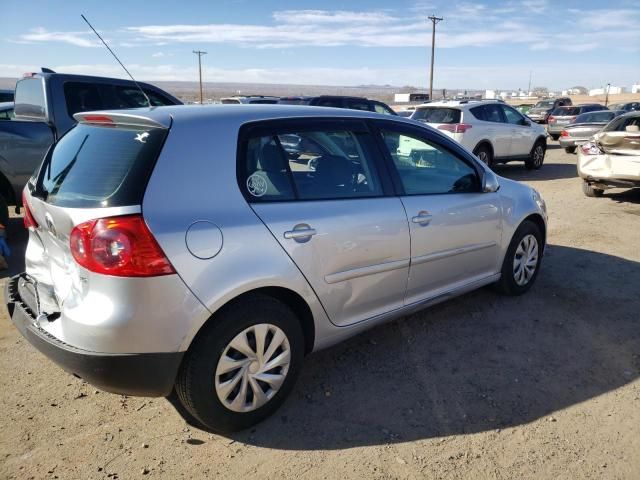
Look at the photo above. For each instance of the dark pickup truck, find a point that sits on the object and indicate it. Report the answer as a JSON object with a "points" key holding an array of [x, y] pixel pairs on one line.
{"points": [[44, 107]]}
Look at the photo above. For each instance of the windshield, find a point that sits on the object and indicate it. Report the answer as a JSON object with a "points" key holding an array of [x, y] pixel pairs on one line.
{"points": [[437, 115], [95, 166]]}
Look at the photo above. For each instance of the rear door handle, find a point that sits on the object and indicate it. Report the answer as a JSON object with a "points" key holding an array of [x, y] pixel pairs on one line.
{"points": [[423, 218], [301, 233]]}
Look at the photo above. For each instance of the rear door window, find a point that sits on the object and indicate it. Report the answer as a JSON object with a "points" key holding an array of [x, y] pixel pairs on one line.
{"points": [[94, 166], [437, 115], [379, 107], [357, 104], [489, 113], [306, 163], [329, 102]]}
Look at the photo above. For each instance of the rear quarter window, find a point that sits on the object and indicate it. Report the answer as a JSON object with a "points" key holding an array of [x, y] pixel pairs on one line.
{"points": [[94, 166]]}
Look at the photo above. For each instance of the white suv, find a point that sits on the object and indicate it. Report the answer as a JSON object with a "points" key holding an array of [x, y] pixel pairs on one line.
{"points": [[493, 131]]}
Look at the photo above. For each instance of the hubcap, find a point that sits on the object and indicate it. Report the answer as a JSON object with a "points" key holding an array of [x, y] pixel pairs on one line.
{"points": [[538, 155], [252, 367], [525, 261]]}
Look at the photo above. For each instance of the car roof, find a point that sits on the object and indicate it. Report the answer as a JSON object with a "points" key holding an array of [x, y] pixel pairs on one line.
{"points": [[458, 103], [237, 114]]}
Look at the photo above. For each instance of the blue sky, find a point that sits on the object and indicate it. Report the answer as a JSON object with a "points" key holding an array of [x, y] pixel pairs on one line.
{"points": [[487, 44]]}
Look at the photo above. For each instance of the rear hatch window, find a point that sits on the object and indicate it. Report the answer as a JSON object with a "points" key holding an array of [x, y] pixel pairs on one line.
{"points": [[566, 111], [437, 115], [100, 166]]}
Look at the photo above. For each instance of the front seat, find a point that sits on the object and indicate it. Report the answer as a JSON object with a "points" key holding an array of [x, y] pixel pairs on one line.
{"points": [[333, 177], [273, 169]]}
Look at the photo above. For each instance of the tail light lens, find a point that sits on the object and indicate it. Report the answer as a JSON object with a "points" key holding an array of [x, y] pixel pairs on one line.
{"points": [[455, 127], [29, 221], [119, 246], [590, 149], [564, 133]]}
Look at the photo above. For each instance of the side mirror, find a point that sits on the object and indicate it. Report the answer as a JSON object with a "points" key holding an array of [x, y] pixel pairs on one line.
{"points": [[525, 122], [490, 182]]}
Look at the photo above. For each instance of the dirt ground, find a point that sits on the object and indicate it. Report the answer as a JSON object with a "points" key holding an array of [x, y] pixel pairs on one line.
{"points": [[541, 386]]}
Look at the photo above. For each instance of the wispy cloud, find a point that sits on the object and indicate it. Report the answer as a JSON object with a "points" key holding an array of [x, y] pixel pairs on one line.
{"points": [[78, 39], [331, 17]]}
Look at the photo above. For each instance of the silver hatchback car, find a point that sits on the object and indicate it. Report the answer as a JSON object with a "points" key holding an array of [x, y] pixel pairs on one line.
{"points": [[184, 248]]}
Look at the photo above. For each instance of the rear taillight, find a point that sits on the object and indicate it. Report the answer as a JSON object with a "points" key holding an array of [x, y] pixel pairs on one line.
{"points": [[564, 133], [455, 127], [29, 221], [590, 149], [119, 246]]}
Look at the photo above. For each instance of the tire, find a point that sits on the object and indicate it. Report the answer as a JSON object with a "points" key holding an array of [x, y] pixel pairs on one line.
{"points": [[201, 389], [554, 136], [590, 191], [536, 156], [511, 283], [483, 152], [570, 149]]}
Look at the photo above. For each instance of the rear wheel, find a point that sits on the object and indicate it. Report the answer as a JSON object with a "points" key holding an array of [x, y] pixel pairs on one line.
{"points": [[536, 157], [522, 260], [242, 367], [4, 212], [484, 153], [570, 149], [590, 191]]}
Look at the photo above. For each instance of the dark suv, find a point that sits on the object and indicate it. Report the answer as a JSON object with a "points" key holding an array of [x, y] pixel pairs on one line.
{"points": [[541, 110], [338, 101]]}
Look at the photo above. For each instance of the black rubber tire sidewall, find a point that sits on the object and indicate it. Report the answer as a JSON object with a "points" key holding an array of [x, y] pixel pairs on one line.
{"points": [[507, 283], [195, 383], [530, 162], [4, 212]]}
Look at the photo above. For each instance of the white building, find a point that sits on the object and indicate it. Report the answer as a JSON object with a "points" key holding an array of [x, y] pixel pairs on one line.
{"points": [[603, 91], [635, 88], [491, 94]]}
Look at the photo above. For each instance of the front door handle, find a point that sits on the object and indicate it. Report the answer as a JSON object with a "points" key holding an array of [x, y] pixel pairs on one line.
{"points": [[423, 218], [300, 233]]}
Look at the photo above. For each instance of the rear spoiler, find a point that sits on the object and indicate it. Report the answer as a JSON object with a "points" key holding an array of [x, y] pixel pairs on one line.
{"points": [[113, 119]]}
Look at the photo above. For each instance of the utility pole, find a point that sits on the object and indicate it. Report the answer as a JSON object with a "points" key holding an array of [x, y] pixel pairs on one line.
{"points": [[606, 99], [200, 53], [434, 20], [529, 90]]}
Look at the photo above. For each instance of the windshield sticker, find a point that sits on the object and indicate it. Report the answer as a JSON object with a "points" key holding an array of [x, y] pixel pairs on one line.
{"points": [[142, 137], [257, 184]]}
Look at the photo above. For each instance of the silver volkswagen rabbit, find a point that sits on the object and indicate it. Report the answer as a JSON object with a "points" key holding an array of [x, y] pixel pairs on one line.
{"points": [[209, 249]]}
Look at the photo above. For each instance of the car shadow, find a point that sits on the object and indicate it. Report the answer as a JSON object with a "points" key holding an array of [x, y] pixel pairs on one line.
{"points": [[549, 171], [626, 196], [474, 364]]}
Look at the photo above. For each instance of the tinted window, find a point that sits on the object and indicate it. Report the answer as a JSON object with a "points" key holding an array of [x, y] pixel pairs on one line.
{"points": [[294, 101], [512, 116], [545, 104], [595, 117], [101, 166], [356, 104], [425, 168], [230, 101], [6, 96], [437, 115], [309, 165], [30, 98], [566, 111], [329, 102], [131, 97], [489, 113], [263, 101]]}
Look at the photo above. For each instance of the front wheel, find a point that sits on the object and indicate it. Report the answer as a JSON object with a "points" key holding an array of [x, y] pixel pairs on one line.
{"points": [[536, 157], [522, 260], [241, 368]]}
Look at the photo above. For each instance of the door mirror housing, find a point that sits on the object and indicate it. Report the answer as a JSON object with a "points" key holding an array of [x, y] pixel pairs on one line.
{"points": [[490, 183], [525, 122]]}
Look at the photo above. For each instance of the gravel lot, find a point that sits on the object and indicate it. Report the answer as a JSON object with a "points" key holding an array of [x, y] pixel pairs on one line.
{"points": [[541, 386]]}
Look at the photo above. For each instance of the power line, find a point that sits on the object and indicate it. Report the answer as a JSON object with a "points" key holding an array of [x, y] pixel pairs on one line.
{"points": [[200, 53], [434, 20]]}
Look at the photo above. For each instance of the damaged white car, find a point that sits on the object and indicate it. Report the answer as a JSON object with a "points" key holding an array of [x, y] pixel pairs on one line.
{"points": [[612, 158]]}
